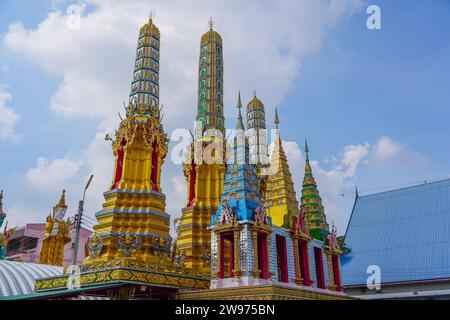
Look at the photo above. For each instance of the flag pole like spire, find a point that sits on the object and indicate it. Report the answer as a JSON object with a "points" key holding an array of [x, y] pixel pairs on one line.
{"points": [[240, 123], [277, 119]]}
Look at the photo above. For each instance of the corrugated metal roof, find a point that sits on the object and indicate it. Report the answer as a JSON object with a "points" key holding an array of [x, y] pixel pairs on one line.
{"points": [[405, 232], [18, 278]]}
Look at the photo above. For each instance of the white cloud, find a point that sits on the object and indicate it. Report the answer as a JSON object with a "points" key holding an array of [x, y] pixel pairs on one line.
{"points": [[8, 118], [52, 174], [387, 151]]}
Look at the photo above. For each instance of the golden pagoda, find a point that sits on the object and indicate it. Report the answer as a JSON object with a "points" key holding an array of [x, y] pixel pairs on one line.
{"points": [[56, 235], [204, 167], [282, 204], [131, 248]]}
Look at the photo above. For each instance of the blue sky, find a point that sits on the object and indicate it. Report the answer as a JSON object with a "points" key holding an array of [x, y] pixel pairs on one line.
{"points": [[374, 104]]}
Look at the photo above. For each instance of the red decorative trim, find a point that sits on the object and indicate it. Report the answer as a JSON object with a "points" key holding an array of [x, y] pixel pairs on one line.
{"points": [[221, 258], [283, 275], [192, 177], [263, 256], [320, 274], [304, 263], [336, 272], [154, 174], [119, 166]]}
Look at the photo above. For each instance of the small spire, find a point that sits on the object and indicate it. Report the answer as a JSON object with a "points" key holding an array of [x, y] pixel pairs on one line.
{"points": [[239, 104], [62, 200], [254, 93], [277, 119], [356, 191], [210, 23], [1, 203], [306, 147], [151, 16], [240, 123]]}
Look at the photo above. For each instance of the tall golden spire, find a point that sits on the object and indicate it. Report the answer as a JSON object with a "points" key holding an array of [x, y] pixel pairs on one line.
{"points": [[282, 204]]}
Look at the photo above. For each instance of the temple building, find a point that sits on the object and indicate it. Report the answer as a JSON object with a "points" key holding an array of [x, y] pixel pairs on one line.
{"points": [[249, 254], [241, 233], [204, 167], [399, 244]]}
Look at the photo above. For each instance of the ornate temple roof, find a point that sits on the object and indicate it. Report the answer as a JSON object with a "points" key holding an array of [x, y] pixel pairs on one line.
{"points": [[312, 202], [211, 35], [405, 232], [150, 28], [282, 204], [241, 192], [255, 104], [18, 278]]}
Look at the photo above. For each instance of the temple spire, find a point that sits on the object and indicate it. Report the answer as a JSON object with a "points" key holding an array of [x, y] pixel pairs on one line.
{"points": [[1, 203], [282, 204], [2, 213], [211, 23], [277, 119], [311, 200], [62, 200], [240, 123]]}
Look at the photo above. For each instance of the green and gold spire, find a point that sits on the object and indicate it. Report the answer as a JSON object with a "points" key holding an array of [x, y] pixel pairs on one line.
{"points": [[282, 204], [210, 84], [311, 201]]}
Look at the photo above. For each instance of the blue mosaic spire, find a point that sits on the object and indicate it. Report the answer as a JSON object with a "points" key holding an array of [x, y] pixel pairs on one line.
{"points": [[241, 181]]}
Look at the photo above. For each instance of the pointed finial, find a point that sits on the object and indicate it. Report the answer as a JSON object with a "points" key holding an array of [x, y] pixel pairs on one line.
{"points": [[254, 93], [151, 16], [306, 149], [239, 103], [356, 191], [277, 119], [1, 203], [62, 200], [211, 23], [240, 123]]}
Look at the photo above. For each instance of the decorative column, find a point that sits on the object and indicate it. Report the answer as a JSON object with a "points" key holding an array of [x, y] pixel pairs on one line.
{"points": [[256, 271], [220, 251], [269, 274], [332, 285], [236, 237], [298, 273]]}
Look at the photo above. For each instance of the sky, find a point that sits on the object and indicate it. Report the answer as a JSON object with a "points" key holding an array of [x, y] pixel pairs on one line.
{"points": [[373, 104]]}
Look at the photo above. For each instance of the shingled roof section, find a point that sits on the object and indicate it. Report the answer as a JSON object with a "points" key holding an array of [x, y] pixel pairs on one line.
{"points": [[405, 232]]}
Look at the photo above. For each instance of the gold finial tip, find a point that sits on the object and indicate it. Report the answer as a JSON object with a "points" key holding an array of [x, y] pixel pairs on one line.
{"points": [[306, 146], [62, 199], [210, 23]]}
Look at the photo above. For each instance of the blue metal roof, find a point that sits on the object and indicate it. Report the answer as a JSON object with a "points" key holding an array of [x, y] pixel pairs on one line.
{"points": [[405, 232]]}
